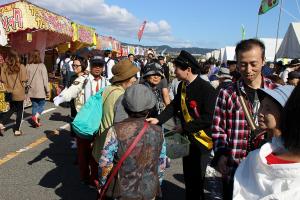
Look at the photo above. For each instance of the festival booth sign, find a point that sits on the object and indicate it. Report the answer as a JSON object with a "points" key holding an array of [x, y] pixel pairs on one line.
{"points": [[106, 43], [83, 36], [31, 27], [99, 42], [116, 46], [124, 51]]}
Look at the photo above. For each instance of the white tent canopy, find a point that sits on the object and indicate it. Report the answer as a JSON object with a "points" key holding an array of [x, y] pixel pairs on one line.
{"points": [[221, 56], [229, 54], [270, 44], [290, 46], [216, 54], [208, 55]]}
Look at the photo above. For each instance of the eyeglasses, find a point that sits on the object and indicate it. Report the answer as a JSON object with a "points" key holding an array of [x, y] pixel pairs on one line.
{"points": [[76, 66], [96, 66]]}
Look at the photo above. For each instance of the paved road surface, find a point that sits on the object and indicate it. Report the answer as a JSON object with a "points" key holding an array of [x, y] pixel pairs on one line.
{"points": [[40, 165]]}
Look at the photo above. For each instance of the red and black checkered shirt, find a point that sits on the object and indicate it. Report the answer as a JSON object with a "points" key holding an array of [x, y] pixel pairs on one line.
{"points": [[230, 130]]}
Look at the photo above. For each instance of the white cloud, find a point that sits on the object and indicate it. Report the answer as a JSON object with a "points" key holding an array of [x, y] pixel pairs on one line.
{"points": [[108, 19], [114, 21]]}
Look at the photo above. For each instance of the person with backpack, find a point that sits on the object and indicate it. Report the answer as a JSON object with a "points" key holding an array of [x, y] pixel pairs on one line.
{"points": [[137, 177], [13, 75], [81, 90], [124, 76], [38, 85], [66, 69]]}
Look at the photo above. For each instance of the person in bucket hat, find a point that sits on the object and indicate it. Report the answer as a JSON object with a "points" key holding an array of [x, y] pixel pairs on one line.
{"points": [[155, 80], [124, 76], [273, 170], [138, 175], [224, 77]]}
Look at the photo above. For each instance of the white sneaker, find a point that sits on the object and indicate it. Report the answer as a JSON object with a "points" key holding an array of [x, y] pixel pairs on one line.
{"points": [[18, 133]]}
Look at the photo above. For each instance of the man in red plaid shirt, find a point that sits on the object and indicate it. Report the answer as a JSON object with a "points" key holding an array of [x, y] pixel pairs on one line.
{"points": [[230, 130]]}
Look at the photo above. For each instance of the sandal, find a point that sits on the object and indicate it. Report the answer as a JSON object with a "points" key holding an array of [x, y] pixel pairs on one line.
{"points": [[2, 129], [18, 133]]}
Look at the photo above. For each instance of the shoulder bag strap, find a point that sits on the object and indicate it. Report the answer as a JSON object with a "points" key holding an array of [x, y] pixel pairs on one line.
{"points": [[248, 114], [123, 158], [33, 75]]}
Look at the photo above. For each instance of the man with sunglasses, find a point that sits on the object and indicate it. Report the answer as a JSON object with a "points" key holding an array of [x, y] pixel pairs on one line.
{"points": [[86, 85]]}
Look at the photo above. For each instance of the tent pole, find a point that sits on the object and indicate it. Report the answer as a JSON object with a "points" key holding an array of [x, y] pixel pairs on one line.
{"points": [[278, 29], [257, 26]]}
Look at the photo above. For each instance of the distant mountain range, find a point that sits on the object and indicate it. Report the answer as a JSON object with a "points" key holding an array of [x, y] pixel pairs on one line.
{"points": [[171, 50]]}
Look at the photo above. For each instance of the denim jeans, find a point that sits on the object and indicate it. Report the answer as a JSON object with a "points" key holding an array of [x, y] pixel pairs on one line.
{"points": [[37, 105]]}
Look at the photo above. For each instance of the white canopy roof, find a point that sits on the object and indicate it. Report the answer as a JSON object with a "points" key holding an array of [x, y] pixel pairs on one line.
{"points": [[216, 54], [221, 56], [208, 55], [270, 44], [290, 46], [229, 54]]}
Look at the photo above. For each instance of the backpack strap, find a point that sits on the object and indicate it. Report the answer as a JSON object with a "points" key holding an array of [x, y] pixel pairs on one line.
{"points": [[110, 94], [123, 158]]}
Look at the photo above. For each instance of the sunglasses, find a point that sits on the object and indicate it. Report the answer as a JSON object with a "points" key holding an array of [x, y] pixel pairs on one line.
{"points": [[76, 66]]}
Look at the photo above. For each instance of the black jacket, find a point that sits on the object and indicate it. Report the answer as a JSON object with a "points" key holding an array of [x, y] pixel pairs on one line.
{"points": [[205, 96]]}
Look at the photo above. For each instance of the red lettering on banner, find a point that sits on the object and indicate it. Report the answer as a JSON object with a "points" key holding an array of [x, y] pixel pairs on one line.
{"points": [[85, 35], [14, 22]]}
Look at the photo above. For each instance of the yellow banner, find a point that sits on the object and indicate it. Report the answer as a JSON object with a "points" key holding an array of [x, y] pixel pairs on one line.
{"points": [[84, 34], [20, 16]]}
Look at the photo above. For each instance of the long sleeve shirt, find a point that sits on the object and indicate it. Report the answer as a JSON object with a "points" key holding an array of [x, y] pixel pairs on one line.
{"points": [[230, 129], [110, 148], [204, 95]]}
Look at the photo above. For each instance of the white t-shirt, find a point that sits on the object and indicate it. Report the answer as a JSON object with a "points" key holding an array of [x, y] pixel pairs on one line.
{"points": [[110, 65]]}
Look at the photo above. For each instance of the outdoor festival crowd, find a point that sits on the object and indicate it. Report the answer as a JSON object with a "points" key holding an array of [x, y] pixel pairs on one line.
{"points": [[239, 120]]}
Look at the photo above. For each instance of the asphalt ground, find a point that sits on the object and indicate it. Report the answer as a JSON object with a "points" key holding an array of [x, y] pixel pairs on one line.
{"points": [[40, 165]]}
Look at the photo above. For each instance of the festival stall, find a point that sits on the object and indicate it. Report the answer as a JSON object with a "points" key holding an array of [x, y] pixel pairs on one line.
{"points": [[83, 36], [31, 27]]}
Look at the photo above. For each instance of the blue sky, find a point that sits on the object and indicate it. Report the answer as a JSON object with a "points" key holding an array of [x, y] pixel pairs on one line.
{"points": [[200, 23], [213, 23]]}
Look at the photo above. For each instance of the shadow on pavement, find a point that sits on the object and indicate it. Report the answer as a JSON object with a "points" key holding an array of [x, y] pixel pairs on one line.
{"points": [[171, 191], [179, 177], [64, 179], [59, 117]]}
